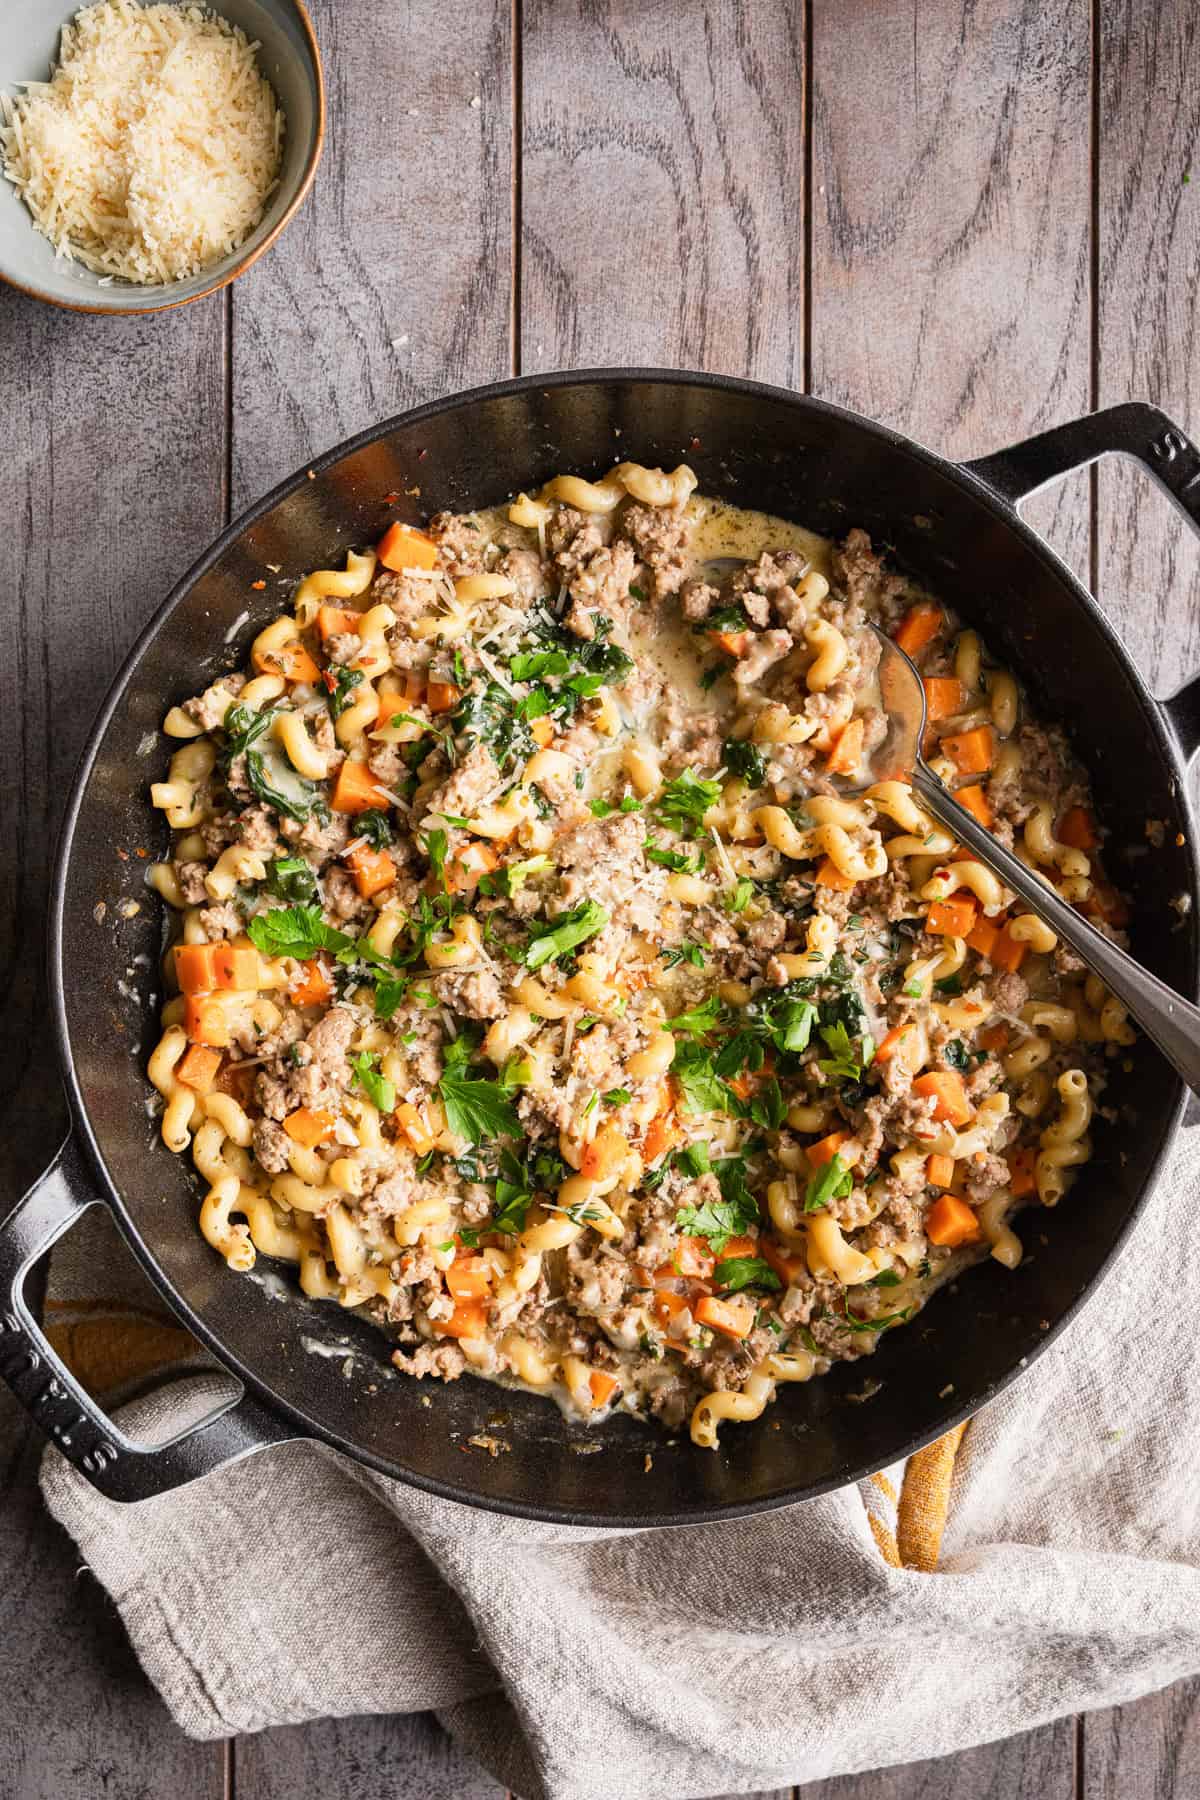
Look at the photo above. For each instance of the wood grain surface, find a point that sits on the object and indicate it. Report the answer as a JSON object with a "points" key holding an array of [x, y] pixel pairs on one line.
{"points": [[950, 224], [1148, 321], [662, 195], [394, 284], [969, 218], [360, 1759], [1147, 573], [1040, 1765], [113, 437]]}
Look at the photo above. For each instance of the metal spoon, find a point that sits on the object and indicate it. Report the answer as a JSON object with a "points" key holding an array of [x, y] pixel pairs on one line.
{"points": [[1170, 1021]]}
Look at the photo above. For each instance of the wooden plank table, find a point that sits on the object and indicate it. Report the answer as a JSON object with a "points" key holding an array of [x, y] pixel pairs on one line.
{"points": [[969, 218]]}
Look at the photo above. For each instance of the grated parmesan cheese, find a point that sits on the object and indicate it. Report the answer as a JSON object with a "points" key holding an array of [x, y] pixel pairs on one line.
{"points": [[152, 151]]}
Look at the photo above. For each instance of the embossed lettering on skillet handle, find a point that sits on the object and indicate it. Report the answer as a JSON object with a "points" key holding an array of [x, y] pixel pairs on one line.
{"points": [[48, 1391], [1132, 429]]}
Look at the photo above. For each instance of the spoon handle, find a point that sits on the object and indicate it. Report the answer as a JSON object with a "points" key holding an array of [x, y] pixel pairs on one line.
{"points": [[1169, 1020]]}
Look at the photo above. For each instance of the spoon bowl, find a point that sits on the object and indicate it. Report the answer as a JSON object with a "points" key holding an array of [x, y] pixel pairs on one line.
{"points": [[902, 699]]}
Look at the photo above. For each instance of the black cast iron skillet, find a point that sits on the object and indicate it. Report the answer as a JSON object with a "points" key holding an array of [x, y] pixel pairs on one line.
{"points": [[955, 526]]}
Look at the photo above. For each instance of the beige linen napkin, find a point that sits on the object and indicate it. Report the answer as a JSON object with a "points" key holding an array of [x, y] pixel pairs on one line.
{"points": [[584, 1665]]}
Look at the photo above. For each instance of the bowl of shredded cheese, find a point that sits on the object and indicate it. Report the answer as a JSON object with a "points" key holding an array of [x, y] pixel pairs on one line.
{"points": [[151, 150]]}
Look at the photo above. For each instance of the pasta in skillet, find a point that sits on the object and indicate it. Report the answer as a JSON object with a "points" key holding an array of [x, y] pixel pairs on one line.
{"points": [[534, 989]]}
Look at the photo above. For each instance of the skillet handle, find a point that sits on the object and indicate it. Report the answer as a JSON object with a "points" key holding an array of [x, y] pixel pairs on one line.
{"points": [[1131, 429], [41, 1381]]}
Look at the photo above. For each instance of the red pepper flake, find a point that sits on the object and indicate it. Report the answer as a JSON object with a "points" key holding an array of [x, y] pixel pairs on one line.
{"points": [[421, 455], [695, 444], [390, 499], [258, 586], [124, 855], [142, 853]]}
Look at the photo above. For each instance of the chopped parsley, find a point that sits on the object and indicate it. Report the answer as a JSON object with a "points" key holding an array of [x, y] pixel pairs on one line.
{"points": [[476, 1109], [735, 1213], [388, 995], [694, 1159], [787, 1020], [513, 1195], [435, 844], [699, 1021], [542, 1171], [379, 1090], [740, 1272], [531, 665], [681, 862], [430, 917], [512, 1207], [297, 931], [766, 1106], [601, 809], [843, 1063], [831, 1182], [685, 800], [700, 1085], [782, 1019], [740, 897], [564, 933], [512, 878]]}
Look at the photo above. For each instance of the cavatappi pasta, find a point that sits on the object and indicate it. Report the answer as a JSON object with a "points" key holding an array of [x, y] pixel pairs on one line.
{"points": [[535, 989]]}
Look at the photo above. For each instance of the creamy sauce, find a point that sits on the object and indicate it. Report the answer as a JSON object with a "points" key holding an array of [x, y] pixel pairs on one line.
{"points": [[723, 530], [724, 537]]}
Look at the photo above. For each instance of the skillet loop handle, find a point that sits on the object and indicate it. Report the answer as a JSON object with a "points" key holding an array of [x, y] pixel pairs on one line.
{"points": [[45, 1387], [1132, 429]]}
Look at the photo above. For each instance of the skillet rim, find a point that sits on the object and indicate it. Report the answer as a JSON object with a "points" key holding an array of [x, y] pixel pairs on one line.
{"points": [[959, 474]]}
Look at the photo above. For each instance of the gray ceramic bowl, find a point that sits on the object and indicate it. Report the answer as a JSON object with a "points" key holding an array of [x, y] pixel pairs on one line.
{"points": [[291, 62]]}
